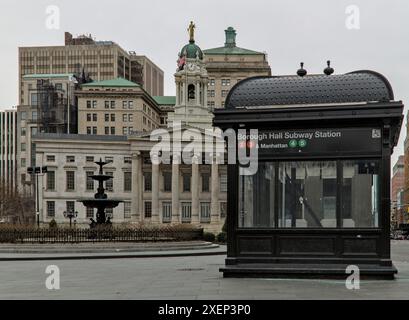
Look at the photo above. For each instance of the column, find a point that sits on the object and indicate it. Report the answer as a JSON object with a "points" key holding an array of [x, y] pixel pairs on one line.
{"points": [[215, 187], [136, 190], [195, 190], [155, 190], [175, 190], [177, 93], [197, 92], [205, 94], [183, 94]]}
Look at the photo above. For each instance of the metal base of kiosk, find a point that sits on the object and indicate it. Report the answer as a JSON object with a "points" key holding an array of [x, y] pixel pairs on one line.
{"points": [[311, 271]]}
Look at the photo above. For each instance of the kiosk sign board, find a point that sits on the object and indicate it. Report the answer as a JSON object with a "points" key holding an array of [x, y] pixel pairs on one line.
{"points": [[319, 141]]}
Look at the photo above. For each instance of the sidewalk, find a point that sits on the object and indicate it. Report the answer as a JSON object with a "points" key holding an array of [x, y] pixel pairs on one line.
{"points": [[108, 250]]}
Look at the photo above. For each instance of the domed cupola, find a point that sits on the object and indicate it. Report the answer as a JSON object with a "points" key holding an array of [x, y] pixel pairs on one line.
{"points": [[191, 80], [191, 50]]}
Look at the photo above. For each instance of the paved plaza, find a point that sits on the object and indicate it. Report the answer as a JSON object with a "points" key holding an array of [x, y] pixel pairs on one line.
{"points": [[183, 278]]}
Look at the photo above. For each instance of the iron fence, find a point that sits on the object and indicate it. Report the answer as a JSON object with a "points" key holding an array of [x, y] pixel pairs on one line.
{"points": [[39, 235]]}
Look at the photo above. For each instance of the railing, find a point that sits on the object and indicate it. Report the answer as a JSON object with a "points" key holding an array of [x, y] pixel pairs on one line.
{"points": [[141, 234]]}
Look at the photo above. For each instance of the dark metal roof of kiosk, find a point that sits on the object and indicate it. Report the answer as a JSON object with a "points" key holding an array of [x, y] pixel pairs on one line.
{"points": [[357, 86]]}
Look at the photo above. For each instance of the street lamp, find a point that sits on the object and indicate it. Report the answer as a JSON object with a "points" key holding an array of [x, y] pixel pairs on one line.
{"points": [[70, 214], [37, 171]]}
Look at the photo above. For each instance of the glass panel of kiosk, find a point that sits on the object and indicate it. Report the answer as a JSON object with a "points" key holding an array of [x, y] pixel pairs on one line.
{"points": [[311, 194]]}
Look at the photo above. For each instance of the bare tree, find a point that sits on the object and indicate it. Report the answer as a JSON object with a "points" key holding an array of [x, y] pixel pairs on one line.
{"points": [[15, 206]]}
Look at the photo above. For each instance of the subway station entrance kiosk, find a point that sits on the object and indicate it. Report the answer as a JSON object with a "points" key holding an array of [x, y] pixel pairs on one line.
{"points": [[319, 200]]}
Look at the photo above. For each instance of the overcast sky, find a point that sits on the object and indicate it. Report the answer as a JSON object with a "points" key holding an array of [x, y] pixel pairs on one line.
{"points": [[289, 31]]}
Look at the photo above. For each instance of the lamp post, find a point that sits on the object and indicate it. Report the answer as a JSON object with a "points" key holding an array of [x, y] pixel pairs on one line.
{"points": [[70, 214], [37, 171]]}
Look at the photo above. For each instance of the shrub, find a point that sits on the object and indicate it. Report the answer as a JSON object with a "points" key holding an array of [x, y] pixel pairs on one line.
{"points": [[53, 224], [222, 237], [208, 236]]}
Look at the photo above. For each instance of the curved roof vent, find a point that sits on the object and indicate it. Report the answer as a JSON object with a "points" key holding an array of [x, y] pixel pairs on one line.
{"points": [[302, 72], [328, 70], [358, 86]]}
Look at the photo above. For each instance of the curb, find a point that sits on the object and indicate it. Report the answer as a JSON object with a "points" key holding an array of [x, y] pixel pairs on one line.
{"points": [[161, 254]]}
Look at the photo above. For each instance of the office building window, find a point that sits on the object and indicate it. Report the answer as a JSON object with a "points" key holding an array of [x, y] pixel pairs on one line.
{"points": [[90, 212], [205, 212], [51, 209], [128, 160], [148, 209], [89, 181], [106, 104], [106, 116], [225, 82], [127, 181], [147, 178], [89, 104], [113, 130], [112, 104], [89, 159], [94, 104], [130, 117], [124, 104], [94, 117], [124, 131], [89, 130], [50, 158], [70, 180], [130, 104], [109, 184], [94, 130], [125, 117], [127, 209], [186, 211], [167, 181], [70, 206], [70, 159], [23, 162], [106, 130], [166, 212], [112, 116], [51, 180], [211, 82], [205, 182], [223, 183], [34, 99], [88, 117], [186, 182], [23, 147], [224, 93]]}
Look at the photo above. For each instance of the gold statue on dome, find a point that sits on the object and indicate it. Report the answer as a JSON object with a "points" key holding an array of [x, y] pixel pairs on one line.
{"points": [[191, 31]]}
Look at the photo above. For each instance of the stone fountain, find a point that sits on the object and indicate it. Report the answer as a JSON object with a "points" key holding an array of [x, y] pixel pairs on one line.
{"points": [[100, 200]]}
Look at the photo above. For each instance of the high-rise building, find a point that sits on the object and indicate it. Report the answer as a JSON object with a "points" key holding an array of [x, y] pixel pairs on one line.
{"points": [[230, 64], [50, 107], [8, 148], [397, 187], [102, 60]]}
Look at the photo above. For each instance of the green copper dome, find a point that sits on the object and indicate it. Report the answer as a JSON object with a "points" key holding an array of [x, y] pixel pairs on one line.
{"points": [[191, 50]]}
